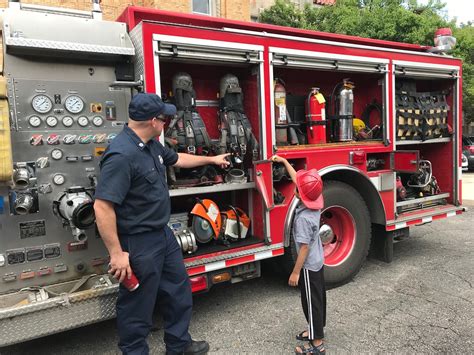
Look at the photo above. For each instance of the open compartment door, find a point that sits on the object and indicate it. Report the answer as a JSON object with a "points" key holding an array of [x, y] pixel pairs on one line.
{"points": [[264, 183], [406, 161]]}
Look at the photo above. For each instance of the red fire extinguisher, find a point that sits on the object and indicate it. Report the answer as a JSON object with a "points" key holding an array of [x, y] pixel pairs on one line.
{"points": [[281, 119], [316, 117]]}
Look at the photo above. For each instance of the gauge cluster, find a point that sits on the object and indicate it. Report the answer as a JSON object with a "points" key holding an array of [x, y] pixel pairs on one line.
{"points": [[68, 111], [64, 131]]}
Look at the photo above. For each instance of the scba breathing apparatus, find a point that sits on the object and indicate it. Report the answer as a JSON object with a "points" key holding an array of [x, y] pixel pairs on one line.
{"points": [[236, 132], [187, 133]]}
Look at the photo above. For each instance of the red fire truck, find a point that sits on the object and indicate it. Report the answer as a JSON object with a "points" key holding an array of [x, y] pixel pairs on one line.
{"points": [[380, 120]]}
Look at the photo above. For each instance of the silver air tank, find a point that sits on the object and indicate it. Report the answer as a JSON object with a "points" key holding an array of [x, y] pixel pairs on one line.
{"points": [[346, 104]]}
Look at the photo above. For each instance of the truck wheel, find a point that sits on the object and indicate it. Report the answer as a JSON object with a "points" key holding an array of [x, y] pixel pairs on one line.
{"points": [[345, 232], [345, 220]]}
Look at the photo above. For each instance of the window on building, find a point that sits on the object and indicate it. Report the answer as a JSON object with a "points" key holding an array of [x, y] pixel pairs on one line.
{"points": [[202, 7]]}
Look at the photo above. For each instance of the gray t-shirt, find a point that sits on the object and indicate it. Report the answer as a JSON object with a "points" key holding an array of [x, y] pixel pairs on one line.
{"points": [[306, 231]]}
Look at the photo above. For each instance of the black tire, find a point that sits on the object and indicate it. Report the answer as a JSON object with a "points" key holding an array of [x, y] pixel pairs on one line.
{"points": [[341, 194]]}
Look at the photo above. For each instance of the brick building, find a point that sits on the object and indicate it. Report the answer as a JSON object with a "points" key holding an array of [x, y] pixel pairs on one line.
{"points": [[230, 9], [257, 6]]}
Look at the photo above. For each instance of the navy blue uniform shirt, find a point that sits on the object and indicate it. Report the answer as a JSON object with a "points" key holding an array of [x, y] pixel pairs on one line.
{"points": [[132, 176]]}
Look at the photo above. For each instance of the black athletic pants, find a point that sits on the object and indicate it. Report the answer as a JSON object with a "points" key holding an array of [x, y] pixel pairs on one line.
{"points": [[313, 300]]}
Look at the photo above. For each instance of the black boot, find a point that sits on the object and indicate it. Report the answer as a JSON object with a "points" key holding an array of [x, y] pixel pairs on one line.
{"points": [[195, 347]]}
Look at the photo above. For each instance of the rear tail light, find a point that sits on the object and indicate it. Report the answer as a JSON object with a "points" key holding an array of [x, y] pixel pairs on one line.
{"points": [[198, 283]]}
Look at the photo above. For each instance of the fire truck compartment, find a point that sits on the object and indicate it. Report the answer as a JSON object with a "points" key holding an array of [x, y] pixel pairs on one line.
{"points": [[424, 107], [182, 218], [207, 74], [365, 118], [432, 181], [206, 80]]}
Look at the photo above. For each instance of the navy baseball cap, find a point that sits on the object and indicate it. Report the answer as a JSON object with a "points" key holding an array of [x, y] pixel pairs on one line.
{"points": [[144, 107]]}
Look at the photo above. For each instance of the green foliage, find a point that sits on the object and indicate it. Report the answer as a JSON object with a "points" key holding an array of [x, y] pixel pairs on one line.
{"points": [[465, 50], [283, 13], [394, 20]]}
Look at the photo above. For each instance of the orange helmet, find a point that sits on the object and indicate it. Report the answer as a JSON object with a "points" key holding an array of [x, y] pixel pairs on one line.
{"points": [[207, 221]]}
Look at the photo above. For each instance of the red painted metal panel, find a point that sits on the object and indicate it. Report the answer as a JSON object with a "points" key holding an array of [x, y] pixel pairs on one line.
{"points": [[196, 270], [440, 216], [238, 261], [278, 252], [406, 161]]}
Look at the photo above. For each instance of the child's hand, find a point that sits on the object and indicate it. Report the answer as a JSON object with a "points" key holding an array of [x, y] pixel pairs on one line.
{"points": [[277, 159], [293, 280]]}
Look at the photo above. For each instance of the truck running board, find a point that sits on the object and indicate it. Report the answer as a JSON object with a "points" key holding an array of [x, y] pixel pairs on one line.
{"points": [[225, 260]]}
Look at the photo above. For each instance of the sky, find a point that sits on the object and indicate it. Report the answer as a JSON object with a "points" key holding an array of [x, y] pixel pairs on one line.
{"points": [[462, 9]]}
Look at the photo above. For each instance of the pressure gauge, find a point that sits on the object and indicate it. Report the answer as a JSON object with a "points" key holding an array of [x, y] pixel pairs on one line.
{"points": [[51, 121], [74, 104], [83, 121], [59, 179], [98, 121], [34, 121], [68, 121], [42, 103], [56, 154]]}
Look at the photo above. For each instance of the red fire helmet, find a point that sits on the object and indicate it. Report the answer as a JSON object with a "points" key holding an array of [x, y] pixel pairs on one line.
{"points": [[310, 188]]}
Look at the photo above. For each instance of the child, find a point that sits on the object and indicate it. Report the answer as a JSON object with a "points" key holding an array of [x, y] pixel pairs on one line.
{"points": [[310, 260]]}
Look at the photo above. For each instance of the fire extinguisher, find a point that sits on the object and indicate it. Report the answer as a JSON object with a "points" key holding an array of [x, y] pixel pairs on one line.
{"points": [[316, 117], [281, 119], [341, 117]]}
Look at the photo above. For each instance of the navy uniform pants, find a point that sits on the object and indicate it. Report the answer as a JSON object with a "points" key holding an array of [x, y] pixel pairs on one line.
{"points": [[157, 261]]}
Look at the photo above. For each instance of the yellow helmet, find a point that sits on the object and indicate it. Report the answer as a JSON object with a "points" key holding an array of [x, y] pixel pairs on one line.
{"points": [[357, 125]]}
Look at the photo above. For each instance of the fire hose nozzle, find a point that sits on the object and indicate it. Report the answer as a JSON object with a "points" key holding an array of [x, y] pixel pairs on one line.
{"points": [[21, 177], [23, 203]]}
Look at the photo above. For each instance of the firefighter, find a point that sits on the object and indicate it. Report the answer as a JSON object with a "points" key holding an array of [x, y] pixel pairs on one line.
{"points": [[310, 260], [132, 208]]}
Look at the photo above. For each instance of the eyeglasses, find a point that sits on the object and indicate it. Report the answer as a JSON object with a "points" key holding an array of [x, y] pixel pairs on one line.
{"points": [[161, 118]]}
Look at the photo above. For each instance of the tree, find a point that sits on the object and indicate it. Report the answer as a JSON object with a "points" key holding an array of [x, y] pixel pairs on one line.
{"points": [[465, 50], [283, 13], [394, 20]]}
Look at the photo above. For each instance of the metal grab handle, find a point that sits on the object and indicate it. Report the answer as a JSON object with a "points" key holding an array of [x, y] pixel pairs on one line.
{"points": [[126, 84], [260, 184], [210, 56]]}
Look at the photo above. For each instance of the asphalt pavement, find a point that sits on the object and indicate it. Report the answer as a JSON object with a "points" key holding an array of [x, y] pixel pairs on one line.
{"points": [[420, 303]]}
